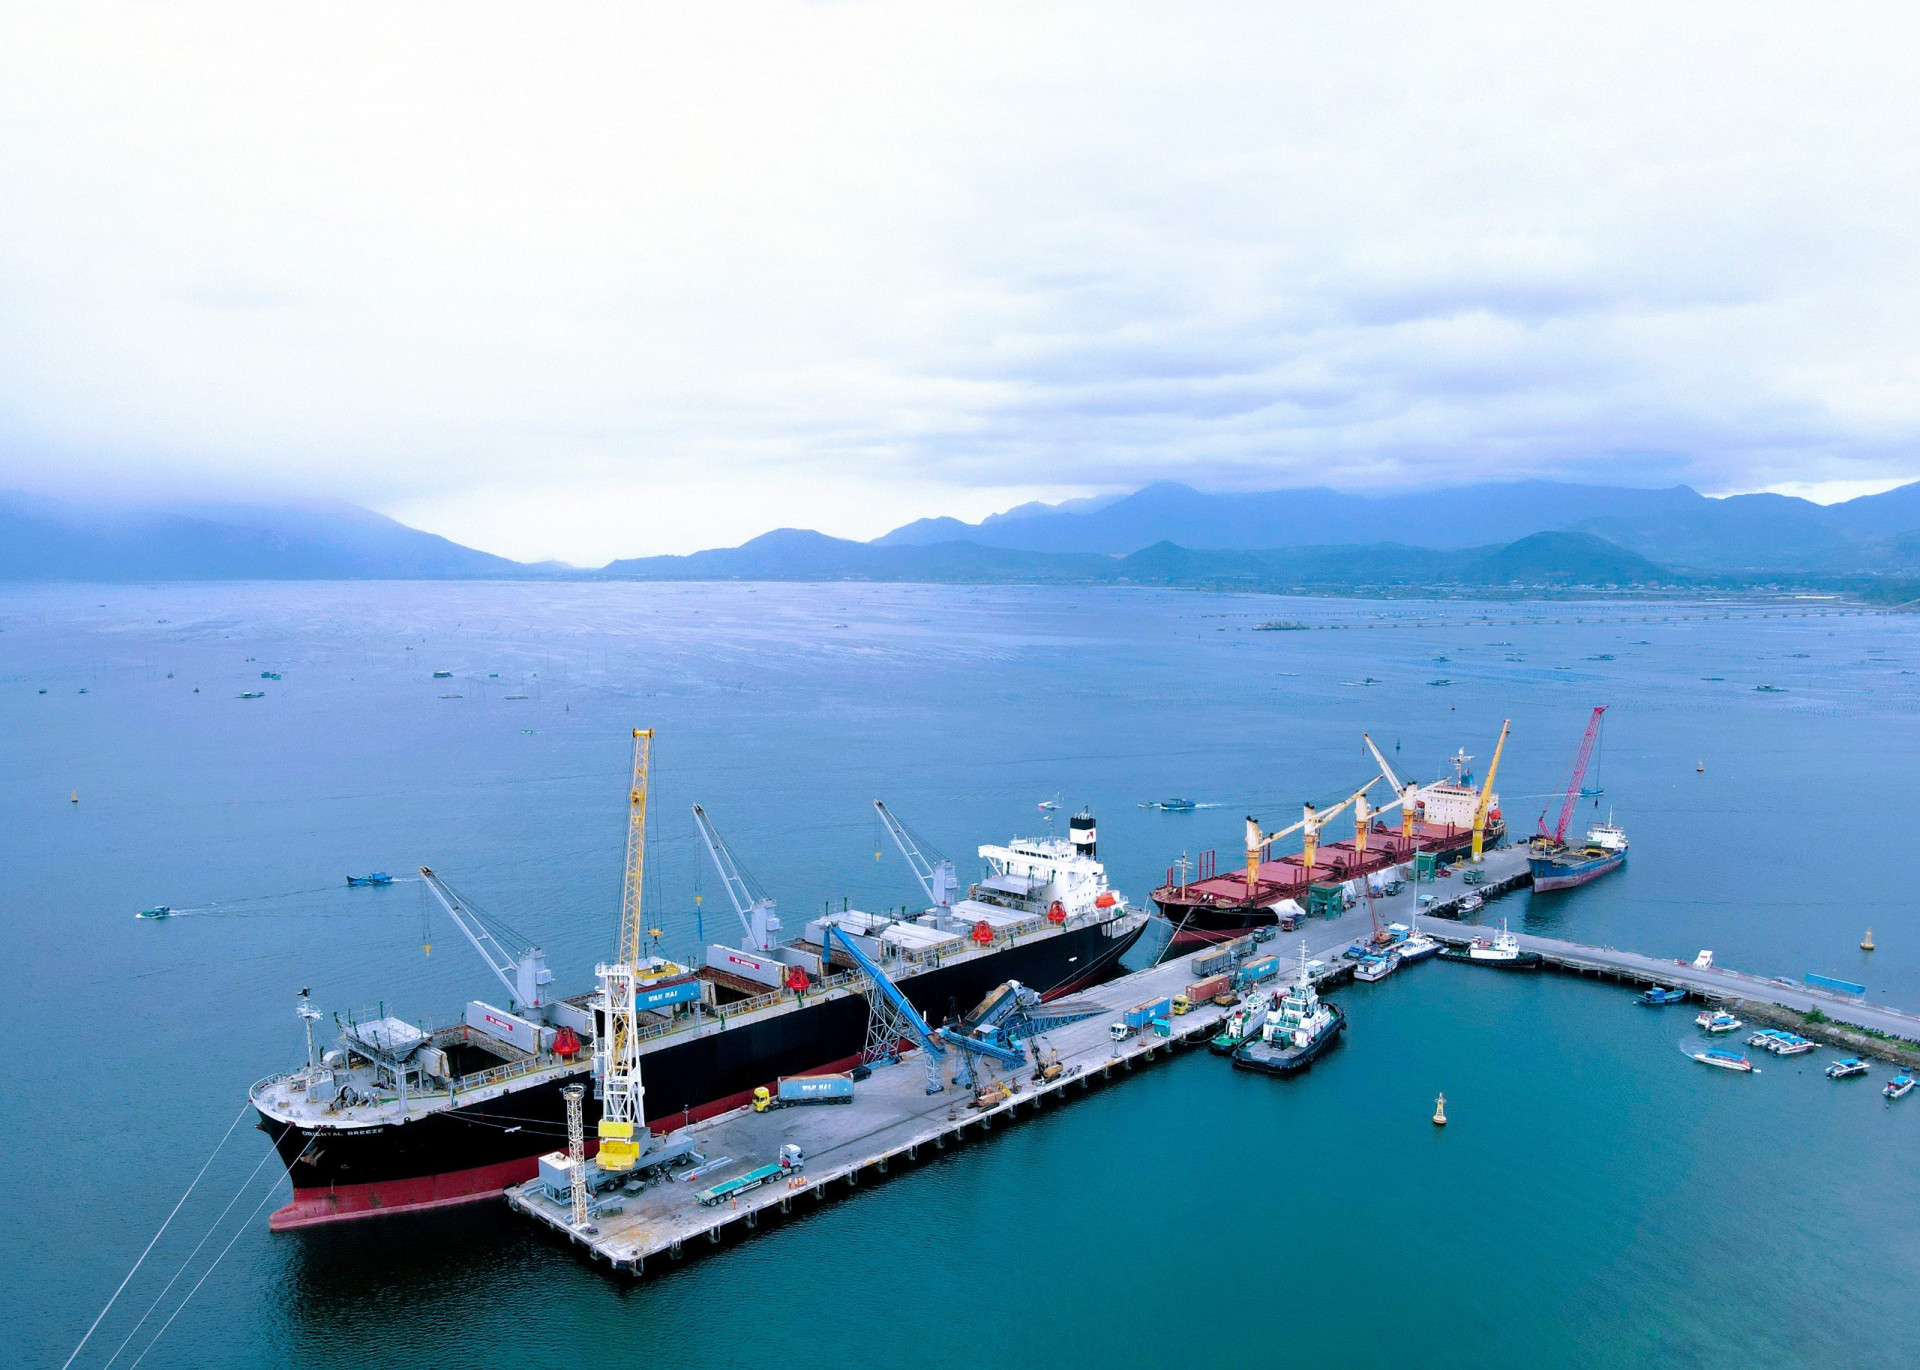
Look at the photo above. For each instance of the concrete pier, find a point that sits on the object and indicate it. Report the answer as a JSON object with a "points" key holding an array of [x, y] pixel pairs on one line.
{"points": [[893, 1123]]}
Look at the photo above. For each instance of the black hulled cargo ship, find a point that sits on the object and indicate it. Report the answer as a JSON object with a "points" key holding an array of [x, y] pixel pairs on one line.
{"points": [[396, 1117]]}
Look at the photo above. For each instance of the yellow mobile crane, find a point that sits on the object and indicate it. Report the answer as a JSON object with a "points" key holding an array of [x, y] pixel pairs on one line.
{"points": [[616, 1048]]}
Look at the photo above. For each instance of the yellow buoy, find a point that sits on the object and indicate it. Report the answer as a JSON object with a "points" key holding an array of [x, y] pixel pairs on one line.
{"points": [[1866, 943], [1440, 1111]]}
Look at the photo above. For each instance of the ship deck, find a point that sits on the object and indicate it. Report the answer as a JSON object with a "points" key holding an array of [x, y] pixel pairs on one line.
{"points": [[1287, 877]]}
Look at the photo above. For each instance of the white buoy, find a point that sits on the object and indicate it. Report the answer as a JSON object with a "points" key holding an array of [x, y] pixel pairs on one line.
{"points": [[1440, 1111]]}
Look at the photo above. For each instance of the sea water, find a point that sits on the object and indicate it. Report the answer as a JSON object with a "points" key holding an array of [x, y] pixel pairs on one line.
{"points": [[1597, 1198]]}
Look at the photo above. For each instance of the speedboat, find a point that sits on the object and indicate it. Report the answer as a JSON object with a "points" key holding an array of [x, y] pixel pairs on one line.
{"points": [[1660, 994], [376, 878], [1846, 1069], [1899, 1087], [156, 912], [1716, 1023], [1724, 1060]]}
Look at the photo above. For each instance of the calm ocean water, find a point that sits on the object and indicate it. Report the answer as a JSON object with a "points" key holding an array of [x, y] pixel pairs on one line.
{"points": [[1597, 1201]]}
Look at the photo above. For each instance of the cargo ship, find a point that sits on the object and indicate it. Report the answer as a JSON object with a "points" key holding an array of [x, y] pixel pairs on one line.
{"points": [[1557, 866], [1437, 820], [397, 1117]]}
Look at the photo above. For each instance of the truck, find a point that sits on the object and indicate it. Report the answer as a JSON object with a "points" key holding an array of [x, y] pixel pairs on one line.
{"points": [[1200, 991], [1212, 963], [1141, 1015], [1256, 972], [741, 1184], [790, 1090]]}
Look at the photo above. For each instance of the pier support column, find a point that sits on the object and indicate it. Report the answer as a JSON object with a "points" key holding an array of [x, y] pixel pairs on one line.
{"points": [[753, 1218], [713, 1236], [786, 1204], [883, 1165]]}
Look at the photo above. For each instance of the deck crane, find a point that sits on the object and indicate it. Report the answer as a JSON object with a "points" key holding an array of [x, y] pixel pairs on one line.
{"points": [[1311, 821], [522, 969], [1486, 793], [756, 912], [1408, 791], [935, 874], [1558, 836], [616, 1048]]}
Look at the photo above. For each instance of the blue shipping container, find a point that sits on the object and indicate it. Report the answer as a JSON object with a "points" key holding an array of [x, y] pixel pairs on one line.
{"points": [[665, 996], [1144, 1014], [815, 1088]]}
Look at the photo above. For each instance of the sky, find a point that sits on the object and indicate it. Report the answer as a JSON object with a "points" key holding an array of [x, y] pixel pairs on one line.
{"points": [[594, 280]]}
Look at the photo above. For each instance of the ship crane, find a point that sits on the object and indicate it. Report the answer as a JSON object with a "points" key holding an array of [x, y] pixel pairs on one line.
{"points": [[935, 874], [1559, 834], [1408, 791], [522, 968], [1311, 821], [756, 912]]}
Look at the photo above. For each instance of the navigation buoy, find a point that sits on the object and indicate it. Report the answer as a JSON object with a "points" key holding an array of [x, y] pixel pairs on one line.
{"points": [[1699, 768], [75, 799], [1440, 1111], [1866, 943]]}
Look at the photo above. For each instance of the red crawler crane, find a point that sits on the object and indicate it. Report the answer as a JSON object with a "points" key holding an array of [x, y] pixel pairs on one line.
{"points": [[1559, 834]]}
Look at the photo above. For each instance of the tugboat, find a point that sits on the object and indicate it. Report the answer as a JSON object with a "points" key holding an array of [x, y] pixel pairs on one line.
{"points": [[1846, 1069], [1240, 1025], [1899, 1087], [1660, 995], [1296, 1032], [1715, 1022], [1502, 953]]}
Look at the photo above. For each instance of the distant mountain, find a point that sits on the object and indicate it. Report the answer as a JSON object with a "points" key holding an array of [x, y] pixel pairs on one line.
{"points": [[1676, 527], [1564, 559], [44, 539]]}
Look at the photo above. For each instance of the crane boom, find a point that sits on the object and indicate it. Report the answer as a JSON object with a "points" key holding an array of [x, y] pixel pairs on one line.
{"points": [[1579, 775], [1486, 792], [756, 913], [627, 953], [525, 973], [936, 878], [1386, 771]]}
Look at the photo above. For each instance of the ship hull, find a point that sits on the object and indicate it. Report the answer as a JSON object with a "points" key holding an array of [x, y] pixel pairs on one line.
{"points": [[1559, 873], [1526, 960], [472, 1152], [1200, 915]]}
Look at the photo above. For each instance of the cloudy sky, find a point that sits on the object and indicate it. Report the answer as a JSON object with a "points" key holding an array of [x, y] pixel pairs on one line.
{"points": [[593, 280]]}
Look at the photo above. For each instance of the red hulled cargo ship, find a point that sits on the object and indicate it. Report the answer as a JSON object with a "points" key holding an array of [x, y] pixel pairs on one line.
{"points": [[1206, 905]]}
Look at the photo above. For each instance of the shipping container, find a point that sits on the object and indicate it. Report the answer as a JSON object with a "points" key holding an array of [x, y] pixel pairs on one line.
{"points": [[1257, 972], [816, 1089], [1202, 990], [1212, 963], [1143, 1014]]}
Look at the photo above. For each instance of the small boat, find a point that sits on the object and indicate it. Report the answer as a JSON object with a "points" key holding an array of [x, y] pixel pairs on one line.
{"points": [[269, 675], [1177, 806], [252, 694], [1375, 968], [1725, 1060], [1239, 1026], [516, 696], [1661, 994], [376, 878], [1502, 953], [1049, 805], [1899, 1087], [1846, 1069], [1473, 903], [1716, 1022], [443, 675], [158, 911]]}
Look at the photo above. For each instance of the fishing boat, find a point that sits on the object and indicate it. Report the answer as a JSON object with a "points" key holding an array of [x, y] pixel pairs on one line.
{"points": [[1297, 1030], [443, 675], [1502, 953], [269, 675], [1177, 806], [1473, 903], [1660, 994], [1899, 1087], [1376, 967], [1846, 1069], [1240, 1025], [1724, 1060], [251, 694], [376, 878], [1715, 1022], [158, 911]]}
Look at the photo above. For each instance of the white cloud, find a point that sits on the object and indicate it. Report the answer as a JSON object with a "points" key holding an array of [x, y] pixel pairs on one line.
{"points": [[614, 279]]}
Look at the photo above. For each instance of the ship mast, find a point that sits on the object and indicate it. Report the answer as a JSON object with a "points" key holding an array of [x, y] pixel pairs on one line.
{"points": [[616, 1049]]}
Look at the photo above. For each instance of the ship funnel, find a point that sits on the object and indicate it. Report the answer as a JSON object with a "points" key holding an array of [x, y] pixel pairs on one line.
{"points": [[1080, 830]]}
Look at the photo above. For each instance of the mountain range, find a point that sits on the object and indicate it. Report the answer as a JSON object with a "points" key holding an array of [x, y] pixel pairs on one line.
{"points": [[1523, 533]]}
